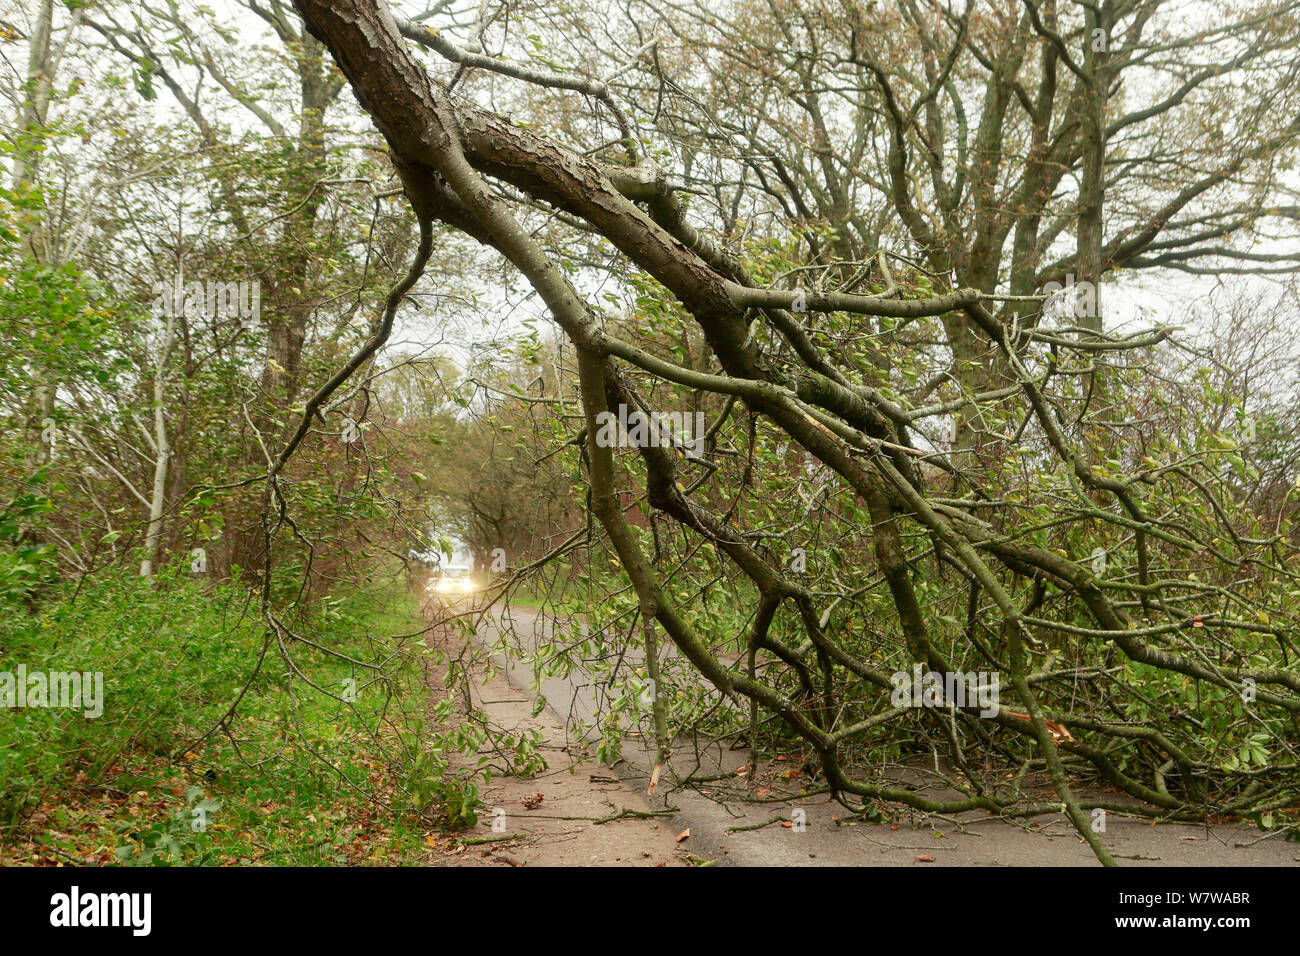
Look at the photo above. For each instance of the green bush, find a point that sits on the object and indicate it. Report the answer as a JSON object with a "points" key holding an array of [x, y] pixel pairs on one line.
{"points": [[175, 655]]}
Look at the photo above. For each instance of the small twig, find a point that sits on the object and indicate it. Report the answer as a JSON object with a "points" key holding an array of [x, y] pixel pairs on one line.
{"points": [[479, 841], [754, 826]]}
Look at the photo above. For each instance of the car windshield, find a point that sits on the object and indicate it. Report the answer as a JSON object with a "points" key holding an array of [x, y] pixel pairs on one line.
{"points": [[455, 571]]}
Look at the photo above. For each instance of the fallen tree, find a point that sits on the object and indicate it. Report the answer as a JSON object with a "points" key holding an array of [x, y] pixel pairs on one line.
{"points": [[1137, 607]]}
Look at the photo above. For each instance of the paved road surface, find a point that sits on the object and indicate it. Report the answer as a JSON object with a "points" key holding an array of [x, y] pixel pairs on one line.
{"points": [[831, 835]]}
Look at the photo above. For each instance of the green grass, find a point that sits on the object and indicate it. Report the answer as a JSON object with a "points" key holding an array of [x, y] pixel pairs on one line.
{"points": [[296, 777]]}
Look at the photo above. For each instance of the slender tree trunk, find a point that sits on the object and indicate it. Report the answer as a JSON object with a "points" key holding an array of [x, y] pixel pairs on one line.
{"points": [[32, 116], [162, 452], [1092, 184]]}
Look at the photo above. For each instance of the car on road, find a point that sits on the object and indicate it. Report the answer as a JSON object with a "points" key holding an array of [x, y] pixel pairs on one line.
{"points": [[453, 581]]}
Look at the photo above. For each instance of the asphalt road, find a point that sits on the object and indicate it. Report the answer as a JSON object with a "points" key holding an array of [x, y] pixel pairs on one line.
{"points": [[824, 833]]}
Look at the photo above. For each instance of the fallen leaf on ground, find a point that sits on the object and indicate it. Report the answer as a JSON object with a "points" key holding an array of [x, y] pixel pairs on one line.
{"points": [[923, 858], [685, 834]]}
